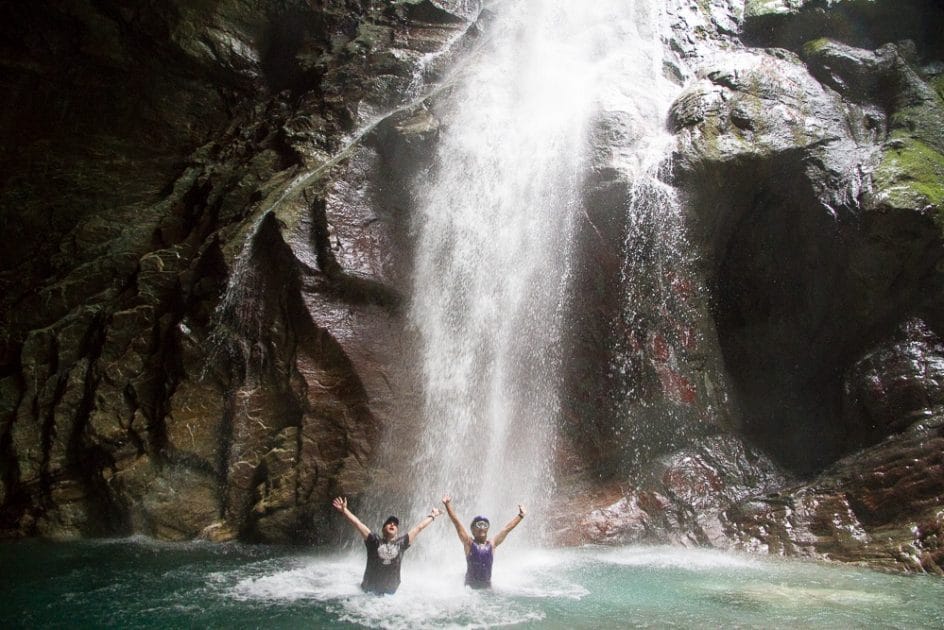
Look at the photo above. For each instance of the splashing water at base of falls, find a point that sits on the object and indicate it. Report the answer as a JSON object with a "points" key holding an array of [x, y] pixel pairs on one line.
{"points": [[494, 227], [139, 583]]}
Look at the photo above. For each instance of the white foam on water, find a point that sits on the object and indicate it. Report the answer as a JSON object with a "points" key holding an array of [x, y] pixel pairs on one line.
{"points": [[536, 573], [323, 579], [413, 608], [188, 609], [432, 593]]}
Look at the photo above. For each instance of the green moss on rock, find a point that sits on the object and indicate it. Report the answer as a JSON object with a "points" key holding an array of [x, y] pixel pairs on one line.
{"points": [[814, 47], [938, 84], [911, 175]]}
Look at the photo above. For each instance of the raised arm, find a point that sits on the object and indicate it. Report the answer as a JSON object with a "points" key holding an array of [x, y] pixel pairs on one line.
{"points": [[460, 528], [340, 504], [513, 523], [429, 518]]}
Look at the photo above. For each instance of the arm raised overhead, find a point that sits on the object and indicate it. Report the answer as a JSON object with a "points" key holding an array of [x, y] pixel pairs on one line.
{"points": [[340, 504], [513, 523], [464, 536], [423, 524]]}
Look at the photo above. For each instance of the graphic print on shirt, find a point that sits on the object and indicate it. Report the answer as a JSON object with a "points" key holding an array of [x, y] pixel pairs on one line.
{"points": [[388, 552]]}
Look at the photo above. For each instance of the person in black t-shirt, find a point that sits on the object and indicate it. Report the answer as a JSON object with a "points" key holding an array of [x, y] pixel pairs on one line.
{"points": [[384, 552]]}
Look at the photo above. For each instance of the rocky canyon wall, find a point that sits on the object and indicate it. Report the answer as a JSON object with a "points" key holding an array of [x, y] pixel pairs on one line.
{"points": [[206, 215], [809, 153], [205, 260]]}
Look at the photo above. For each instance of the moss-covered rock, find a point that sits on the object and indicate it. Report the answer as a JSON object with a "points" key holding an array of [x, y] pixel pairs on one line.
{"points": [[910, 175]]}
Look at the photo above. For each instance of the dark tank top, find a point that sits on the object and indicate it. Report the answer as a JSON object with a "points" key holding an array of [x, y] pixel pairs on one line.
{"points": [[478, 572]]}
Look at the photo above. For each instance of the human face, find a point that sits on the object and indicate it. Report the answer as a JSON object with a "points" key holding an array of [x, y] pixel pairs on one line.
{"points": [[390, 531], [480, 530]]}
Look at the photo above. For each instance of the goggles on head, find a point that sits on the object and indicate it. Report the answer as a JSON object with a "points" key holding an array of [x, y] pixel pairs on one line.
{"points": [[480, 524]]}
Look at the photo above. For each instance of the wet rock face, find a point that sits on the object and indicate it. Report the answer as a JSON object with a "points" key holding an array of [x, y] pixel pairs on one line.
{"points": [[881, 506], [829, 244], [826, 260], [809, 148], [201, 328], [679, 499], [899, 383]]}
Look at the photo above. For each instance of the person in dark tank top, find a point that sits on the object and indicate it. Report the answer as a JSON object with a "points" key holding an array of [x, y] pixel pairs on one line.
{"points": [[479, 550], [384, 552]]}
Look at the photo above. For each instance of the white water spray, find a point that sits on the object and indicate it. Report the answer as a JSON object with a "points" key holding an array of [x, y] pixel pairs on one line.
{"points": [[494, 230]]}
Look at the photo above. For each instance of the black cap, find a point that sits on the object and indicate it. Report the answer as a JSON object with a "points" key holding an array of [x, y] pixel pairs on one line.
{"points": [[392, 519]]}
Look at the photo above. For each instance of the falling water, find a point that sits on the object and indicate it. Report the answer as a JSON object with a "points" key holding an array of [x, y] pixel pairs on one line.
{"points": [[494, 229], [658, 331]]}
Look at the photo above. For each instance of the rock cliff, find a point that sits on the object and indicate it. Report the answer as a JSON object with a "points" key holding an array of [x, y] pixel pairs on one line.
{"points": [[201, 321], [206, 214], [809, 151]]}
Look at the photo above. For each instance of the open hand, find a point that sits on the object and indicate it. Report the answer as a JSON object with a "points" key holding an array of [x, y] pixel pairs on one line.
{"points": [[434, 512], [447, 500], [340, 504]]}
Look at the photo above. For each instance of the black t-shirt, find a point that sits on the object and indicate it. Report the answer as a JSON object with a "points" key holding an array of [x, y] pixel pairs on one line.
{"points": [[382, 574]]}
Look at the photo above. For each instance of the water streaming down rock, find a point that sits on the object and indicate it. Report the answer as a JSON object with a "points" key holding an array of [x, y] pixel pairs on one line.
{"points": [[494, 230], [239, 317], [656, 324], [658, 321]]}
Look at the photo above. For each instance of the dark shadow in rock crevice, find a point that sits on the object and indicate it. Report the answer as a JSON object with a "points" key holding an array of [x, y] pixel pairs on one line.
{"points": [[862, 23], [803, 290]]}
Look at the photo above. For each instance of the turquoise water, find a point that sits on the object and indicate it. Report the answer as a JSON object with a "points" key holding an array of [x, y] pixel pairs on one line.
{"points": [[137, 583]]}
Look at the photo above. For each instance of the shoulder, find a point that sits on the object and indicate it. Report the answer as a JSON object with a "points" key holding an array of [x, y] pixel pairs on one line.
{"points": [[372, 540], [403, 541]]}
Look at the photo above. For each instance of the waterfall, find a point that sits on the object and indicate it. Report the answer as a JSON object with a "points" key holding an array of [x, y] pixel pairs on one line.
{"points": [[657, 325], [494, 226], [658, 331]]}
